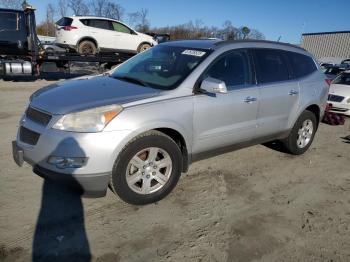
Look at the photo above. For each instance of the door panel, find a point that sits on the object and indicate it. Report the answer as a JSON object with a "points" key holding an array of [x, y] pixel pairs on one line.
{"points": [[278, 95], [277, 101], [120, 37], [224, 119]]}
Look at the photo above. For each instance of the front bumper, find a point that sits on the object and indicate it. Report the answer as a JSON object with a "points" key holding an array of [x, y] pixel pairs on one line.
{"points": [[340, 108], [92, 185], [100, 149]]}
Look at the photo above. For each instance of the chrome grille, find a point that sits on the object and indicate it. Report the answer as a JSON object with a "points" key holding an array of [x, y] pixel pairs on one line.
{"points": [[335, 98]]}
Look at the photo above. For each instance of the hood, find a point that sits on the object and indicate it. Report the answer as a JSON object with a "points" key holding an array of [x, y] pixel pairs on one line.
{"points": [[340, 90], [79, 94], [148, 37]]}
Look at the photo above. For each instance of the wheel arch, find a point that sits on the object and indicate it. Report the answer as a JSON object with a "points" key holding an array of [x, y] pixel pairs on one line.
{"points": [[180, 141], [87, 38], [174, 132], [143, 42], [314, 108]]}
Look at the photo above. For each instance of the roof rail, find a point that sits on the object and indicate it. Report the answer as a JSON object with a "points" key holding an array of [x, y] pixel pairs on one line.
{"points": [[256, 41]]}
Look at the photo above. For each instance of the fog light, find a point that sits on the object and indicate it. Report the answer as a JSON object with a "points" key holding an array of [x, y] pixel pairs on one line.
{"points": [[67, 162]]}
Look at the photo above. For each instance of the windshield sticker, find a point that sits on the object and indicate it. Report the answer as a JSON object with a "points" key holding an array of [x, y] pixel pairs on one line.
{"points": [[193, 53]]}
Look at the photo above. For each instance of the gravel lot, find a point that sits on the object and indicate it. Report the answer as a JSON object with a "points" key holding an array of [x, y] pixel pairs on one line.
{"points": [[252, 204]]}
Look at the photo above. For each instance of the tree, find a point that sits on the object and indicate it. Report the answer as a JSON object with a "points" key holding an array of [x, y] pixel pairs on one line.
{"points": [[229, 32], [99, 6], [78, 7], [140, 20], [47, 27], [114, 11], [63, 7], [11, 4], [107, 8]]}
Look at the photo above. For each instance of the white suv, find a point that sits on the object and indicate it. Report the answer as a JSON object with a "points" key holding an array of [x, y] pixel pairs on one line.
{"points": [[89, 35]]}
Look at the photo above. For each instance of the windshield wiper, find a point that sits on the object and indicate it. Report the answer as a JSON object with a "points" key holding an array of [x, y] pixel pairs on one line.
{"points": [[132, 80]]}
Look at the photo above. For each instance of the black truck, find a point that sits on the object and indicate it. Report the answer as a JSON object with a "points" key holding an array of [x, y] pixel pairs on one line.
{"points": [[21, 53]]}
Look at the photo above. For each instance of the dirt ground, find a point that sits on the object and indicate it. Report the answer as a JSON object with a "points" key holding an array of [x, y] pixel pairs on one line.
{"points": [[255, 204]]}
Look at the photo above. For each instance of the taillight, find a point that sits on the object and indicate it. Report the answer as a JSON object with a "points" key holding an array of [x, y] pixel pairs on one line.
{"points": [[69, 27], [328, 81]]}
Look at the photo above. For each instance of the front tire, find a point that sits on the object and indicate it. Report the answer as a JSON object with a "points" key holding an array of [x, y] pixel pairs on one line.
{"points": [[147, 169], [302, 134], [143, 47]]}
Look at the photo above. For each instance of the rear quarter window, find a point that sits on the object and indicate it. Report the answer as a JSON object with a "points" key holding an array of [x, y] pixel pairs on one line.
{"points": [[64, 21], [301, 65], [270, 65], [97, 23]]}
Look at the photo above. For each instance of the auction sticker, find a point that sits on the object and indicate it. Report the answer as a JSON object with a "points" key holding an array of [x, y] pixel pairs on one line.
{"points": [[193, 52]]}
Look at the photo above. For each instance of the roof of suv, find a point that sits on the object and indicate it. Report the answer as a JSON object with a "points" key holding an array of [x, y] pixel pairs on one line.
{"points": [[90, 17], [216, 43]]}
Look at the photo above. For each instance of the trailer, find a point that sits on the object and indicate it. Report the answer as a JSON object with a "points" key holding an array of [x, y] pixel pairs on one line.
{"points": [[22, 54]]}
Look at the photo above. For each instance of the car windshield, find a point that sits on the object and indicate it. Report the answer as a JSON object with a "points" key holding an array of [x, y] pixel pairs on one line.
{"points": [[342, 79], [161, 67]]}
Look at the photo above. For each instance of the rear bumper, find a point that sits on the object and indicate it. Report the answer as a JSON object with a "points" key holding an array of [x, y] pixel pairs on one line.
{"points": [[92, 185]]}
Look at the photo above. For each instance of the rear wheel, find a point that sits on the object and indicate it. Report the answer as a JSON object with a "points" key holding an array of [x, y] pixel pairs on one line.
{"points": [[143, 47], [302, 134], [147, 169], [87, 47]]}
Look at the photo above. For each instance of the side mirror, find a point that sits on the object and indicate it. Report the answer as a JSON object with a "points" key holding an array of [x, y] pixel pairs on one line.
{"points": [[213, 85]]}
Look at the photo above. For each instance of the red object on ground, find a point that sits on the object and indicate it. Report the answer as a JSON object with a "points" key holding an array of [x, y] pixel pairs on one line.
{"points": [[331, 118]]}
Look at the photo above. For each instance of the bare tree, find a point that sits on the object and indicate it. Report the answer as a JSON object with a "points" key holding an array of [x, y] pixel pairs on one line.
{"points": [[107, 8], [133, 18], [12, 4], [255, 34], [196, 30], [78, 7], [114, 11], [98, 6], [140, 20], [49, 22], [63, 7], [229, 32]]}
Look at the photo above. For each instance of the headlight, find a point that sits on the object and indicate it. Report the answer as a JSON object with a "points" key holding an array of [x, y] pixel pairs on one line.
{"points": [[92, 120]]}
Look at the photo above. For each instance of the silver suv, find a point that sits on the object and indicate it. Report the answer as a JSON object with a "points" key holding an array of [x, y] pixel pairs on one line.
{"points": [[138, 127]]}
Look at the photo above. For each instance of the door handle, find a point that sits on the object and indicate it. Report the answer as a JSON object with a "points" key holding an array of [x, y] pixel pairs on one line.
{"points": [[293, 92], [249, 99]]}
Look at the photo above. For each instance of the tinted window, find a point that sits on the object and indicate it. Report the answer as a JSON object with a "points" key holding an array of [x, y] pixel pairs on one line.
{"points": [[64, 21], [232, 68], [120, 28], [302, 65], [98, 23], [342, 79], [271, 65], [332, 71], [8, 21]]}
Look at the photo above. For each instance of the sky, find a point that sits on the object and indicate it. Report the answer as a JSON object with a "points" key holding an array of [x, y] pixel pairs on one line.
{"points": [[274, 18]]}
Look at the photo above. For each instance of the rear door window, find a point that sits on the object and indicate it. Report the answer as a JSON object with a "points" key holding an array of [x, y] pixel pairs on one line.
{"points": [[302, 65], [271, 66], [9, 21], [64, 21], [233, 68]]}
